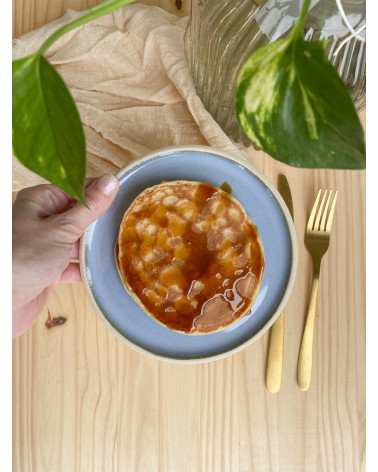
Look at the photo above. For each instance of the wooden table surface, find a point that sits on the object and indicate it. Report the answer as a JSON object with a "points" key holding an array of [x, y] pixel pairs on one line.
{"points": [[84, 402]]}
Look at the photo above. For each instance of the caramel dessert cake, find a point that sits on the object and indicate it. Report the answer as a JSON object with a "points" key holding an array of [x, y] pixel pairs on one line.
{"points": [[190, 256]]}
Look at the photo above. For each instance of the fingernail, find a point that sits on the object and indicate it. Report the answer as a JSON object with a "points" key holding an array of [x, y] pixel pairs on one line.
{"points": [[107, 184]]}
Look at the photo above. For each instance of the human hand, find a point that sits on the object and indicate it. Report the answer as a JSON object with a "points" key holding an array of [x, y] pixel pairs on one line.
{"points": [[47, 225]]}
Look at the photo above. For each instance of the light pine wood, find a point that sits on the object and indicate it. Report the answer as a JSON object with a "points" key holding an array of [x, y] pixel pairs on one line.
{"points": [[31, 14], [84, 402]]}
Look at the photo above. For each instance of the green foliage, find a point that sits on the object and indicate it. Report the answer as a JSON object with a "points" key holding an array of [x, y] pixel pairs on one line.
{"points": [[291, 102], [48, 136]]}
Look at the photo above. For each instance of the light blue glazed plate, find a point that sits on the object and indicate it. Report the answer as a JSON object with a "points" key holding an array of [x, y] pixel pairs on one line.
{"points": [[263, 203]]}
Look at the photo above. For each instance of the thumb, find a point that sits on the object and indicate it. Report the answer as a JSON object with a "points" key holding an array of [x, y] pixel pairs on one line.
{"points": [[99, 195]]}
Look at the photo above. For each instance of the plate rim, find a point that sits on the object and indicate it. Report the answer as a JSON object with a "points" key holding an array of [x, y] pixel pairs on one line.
{"points": [[240, 160]]}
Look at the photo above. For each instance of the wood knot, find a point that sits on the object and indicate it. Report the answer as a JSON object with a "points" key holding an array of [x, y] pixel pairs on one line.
{"points": [[51, 322]]}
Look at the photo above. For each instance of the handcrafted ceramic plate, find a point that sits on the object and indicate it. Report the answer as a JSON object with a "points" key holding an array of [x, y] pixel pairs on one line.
{"points": [[263, 203]]}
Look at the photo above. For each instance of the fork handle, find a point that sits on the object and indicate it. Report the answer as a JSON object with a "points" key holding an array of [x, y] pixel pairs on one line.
{"points": [[275, 355], [305, 355]]}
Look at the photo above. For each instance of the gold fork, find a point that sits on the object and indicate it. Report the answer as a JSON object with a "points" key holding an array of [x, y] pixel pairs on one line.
{"points": [[317, 238]]}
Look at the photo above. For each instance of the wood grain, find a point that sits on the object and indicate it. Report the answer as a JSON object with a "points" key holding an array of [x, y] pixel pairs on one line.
{"points": [[85, 402], [31, 14]]}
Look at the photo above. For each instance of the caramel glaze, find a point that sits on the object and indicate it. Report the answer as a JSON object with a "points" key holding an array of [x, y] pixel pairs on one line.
{"points": [[219, 277]]}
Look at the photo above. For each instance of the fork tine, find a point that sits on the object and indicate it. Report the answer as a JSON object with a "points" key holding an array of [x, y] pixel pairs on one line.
{"points": [[311, 219], [320, 211], [323, 221], [331, 213]]}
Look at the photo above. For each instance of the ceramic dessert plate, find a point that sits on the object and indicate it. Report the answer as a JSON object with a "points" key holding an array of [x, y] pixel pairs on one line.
{"points": [[262, 202]]}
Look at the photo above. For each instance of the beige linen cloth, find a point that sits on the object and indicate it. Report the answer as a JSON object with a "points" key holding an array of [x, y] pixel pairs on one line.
{"points": [[129, 75]]}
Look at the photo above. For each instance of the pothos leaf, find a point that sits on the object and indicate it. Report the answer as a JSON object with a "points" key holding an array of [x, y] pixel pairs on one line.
{"points": [[48, 136], [291, 102]]}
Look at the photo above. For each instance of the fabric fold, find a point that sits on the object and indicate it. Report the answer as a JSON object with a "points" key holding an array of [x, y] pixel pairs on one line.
{"points": [[129, 75]]}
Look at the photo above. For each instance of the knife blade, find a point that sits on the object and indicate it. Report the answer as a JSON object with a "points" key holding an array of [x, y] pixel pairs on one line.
{"points": [[276, 339], [284, 189]]}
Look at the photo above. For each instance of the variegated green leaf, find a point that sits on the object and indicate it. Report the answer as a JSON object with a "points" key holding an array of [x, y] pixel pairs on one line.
{"points": [[48, 136], [291, 103]]}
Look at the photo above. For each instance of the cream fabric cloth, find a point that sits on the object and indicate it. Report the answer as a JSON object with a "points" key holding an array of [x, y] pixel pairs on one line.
{"points": [[129, 75]]}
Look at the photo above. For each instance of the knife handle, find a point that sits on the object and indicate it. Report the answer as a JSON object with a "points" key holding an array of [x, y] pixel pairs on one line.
{"points": [[275, 355]]}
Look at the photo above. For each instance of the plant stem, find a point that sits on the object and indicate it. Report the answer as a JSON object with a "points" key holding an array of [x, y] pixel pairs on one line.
{"points": [[93, 13], [298, 27]]}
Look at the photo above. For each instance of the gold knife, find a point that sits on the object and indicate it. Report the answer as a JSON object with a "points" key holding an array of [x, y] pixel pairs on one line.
{"points": [[276, 340]]}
